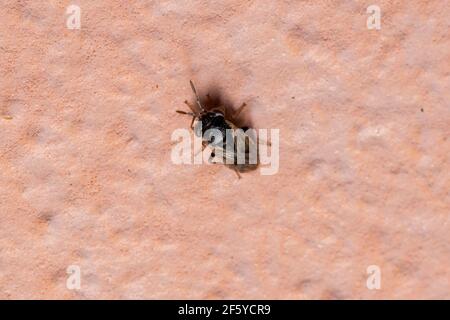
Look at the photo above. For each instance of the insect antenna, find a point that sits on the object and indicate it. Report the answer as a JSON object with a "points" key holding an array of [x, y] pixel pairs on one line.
{"points": [[196, 96]]}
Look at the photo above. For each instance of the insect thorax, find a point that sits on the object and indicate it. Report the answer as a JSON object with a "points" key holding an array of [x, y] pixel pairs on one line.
{"points": [[211, 120]]}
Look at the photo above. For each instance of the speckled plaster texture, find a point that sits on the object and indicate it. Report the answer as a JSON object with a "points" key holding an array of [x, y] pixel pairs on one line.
{"points": [[86, 178]]}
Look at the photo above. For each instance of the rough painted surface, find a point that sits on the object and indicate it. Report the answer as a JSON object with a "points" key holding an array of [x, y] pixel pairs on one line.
{"points": [[86, 177]]}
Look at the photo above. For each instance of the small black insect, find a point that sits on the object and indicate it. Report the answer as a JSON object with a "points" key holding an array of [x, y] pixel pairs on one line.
{"points": [[218, 118]]}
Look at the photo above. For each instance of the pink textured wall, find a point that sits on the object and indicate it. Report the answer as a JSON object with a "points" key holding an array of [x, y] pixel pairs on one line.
{"points": [[86, 177]]}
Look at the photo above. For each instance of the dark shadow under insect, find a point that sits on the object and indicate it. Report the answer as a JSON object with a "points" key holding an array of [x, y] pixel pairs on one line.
{"points": [[213, 113]]}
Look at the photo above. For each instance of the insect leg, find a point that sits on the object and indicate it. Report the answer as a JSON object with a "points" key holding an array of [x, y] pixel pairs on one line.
{"points": [[203, 148], [239, 110], [237, 172], [189, 114], [264, 141], [190, 106], [184, 112]]}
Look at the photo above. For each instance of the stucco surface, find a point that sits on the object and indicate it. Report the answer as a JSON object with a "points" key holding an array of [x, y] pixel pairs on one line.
{"points": [[87, 179]]}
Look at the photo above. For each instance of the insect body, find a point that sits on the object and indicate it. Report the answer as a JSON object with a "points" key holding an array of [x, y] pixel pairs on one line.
{"points": [[232, 144]]}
